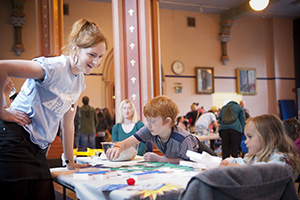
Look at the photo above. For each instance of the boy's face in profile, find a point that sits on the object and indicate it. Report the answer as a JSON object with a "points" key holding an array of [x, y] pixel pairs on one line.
{"points": [[156, 125]]}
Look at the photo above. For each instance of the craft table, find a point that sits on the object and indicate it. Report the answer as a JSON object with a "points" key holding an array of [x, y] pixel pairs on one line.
{"points": [[166, 182]]}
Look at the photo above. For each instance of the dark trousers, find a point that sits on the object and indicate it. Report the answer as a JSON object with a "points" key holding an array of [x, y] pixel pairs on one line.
{"points": [[231, 140], [24, 171], [27, 190]]}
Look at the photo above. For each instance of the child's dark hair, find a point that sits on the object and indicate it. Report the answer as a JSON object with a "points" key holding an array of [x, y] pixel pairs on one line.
{"points": [[178, 119], [85, 100], [292, 128]]}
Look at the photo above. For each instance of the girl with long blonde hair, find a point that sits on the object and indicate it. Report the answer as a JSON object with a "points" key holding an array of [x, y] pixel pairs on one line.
{"points": [[267, 142]]}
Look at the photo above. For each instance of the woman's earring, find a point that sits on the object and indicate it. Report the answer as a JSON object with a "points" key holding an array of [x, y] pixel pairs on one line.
{"points": [[75, 59]]}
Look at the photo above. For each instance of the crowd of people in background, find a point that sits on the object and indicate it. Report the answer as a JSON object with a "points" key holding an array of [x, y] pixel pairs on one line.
{"points": [[92, 126], [228, 121], [232, 122]]}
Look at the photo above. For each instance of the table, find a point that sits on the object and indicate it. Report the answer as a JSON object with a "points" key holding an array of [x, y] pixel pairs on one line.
{"points": [[210, 136], [159, 180]]}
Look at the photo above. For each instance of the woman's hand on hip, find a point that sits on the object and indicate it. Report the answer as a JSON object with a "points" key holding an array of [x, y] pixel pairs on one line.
{"points": [[9, 115]]}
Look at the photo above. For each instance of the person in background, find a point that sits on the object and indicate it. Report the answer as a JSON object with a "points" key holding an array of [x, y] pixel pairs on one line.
{"points": [[77, 120], [202, 124], [181, 122], [12, 96], [160, 113], [114, 116], [88, 124], [108, 118], [247, 113], [101, 129], [9, 91], [200, 109], [267, 142], [192, 117], [128, 123], [232, 122], [292, 128], [49, 95], [215, 110]]}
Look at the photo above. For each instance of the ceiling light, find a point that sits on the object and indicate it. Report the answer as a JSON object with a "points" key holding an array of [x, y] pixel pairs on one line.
{"points": [[258, 5]]}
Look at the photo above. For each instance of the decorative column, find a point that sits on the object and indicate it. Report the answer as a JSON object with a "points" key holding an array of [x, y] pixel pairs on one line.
{"points": [[50, 24], [157, 69], [133, 64], [224, 37], [18, 20]]}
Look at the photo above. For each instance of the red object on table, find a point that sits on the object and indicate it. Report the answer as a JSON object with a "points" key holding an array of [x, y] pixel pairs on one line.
{"points": [[130, 181]]}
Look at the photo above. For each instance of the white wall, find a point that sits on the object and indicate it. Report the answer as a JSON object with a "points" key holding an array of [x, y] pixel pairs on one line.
{"points": [[101, 13], [263, 44]]}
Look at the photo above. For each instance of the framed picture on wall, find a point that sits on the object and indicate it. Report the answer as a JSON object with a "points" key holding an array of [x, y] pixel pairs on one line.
{"points": [[204, 80], [246, 81]]}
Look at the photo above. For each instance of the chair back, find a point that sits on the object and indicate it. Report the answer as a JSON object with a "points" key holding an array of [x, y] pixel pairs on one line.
{"points": [[258, 181]]}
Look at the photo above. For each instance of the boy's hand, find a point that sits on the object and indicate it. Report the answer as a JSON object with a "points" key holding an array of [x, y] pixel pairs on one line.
{"points": [[150, 156], [113, 153]]}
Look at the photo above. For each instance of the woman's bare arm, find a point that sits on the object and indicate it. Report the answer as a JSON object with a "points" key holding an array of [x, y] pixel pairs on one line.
{"points": [[67, 126], [19, 69]]}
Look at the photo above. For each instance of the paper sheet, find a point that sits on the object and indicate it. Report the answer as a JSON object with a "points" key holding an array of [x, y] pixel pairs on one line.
{"points": [[204, 158]]}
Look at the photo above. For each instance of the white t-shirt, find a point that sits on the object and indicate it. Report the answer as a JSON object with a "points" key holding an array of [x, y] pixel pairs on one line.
{"points": [[46, 101], [206, 119]]}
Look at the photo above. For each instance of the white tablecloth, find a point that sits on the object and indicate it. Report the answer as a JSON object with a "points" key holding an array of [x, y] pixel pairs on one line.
{"points": [[89, 189]]}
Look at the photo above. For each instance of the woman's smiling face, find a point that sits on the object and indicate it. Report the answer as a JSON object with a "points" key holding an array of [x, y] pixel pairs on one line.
{"points": [[89, 58]]}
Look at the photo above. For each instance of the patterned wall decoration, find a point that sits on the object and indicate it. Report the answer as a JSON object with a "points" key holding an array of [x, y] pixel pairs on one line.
{"points": [[132, 52]]}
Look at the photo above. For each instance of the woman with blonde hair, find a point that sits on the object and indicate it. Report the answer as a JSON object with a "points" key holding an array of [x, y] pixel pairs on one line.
{"points": [[47, 98], [127, 124]]}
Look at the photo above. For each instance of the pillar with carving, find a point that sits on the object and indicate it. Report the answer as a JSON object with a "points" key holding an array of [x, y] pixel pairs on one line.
{"points": [[133, 55], [18, 20], [224, 37]]}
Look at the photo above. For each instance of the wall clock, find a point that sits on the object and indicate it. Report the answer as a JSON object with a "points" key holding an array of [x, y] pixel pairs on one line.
{"points": [[177, 67]]}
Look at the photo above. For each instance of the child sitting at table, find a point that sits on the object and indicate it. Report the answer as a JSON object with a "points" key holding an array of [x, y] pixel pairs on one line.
{"points": [[292, 128], [267, 143], [173, 142]]}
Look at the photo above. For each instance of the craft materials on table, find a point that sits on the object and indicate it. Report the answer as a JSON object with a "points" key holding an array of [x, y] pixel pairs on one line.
{"points": [[139, 171], [134, 179]]}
